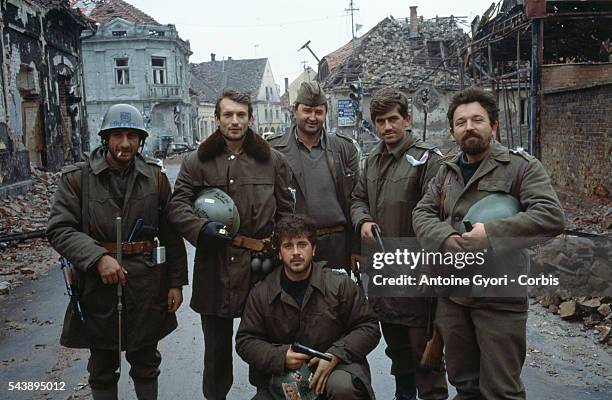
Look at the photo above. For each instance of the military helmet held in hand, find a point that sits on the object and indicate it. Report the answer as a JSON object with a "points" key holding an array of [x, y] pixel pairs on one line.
{"points": [[214, 204], [494, 206]]}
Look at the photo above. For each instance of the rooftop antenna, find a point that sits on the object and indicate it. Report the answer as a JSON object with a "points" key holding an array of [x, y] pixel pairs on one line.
{"points": [[351, 9], [307, 46]]}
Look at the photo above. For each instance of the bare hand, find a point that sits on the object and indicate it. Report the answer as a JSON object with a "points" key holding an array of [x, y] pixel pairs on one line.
{"points": [[295, 360], [110, 271], [175, 299], [476, 239], [453, 244], [366, 230], [318, 382], [356, 262]]}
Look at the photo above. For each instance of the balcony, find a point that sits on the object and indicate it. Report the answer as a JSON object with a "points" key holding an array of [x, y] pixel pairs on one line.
{"points": [[165, 92]]}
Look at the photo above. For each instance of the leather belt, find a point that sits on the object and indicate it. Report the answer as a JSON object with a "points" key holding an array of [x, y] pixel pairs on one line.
{"points": [[131, 248], [251, 244], [331, 229]]}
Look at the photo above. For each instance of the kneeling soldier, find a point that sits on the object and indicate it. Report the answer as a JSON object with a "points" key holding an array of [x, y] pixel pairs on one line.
{"points": [[319, 308]]}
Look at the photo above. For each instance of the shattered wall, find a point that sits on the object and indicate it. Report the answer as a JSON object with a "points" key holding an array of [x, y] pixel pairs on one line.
{"points": [[41, 121], [577, 140]]}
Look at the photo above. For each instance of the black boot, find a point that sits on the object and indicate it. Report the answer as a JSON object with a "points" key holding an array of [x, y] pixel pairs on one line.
{"points": [[405, 387], [104, 394], [146, 390]]}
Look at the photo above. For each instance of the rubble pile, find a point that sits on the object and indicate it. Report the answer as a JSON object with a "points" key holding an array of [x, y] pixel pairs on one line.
{"points": [[596, 219], [583, 267], [389, 56], [21, 216]]}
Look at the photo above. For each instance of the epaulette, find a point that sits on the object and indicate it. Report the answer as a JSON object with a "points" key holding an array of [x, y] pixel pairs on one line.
{"points": [[70, 168], [337, 271], [154, 161], [274, 137], [519, 151], [430, 147]]}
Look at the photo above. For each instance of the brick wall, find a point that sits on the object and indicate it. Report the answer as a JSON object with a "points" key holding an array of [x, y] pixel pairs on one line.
{"points": [[577, 140], [561, 76]]}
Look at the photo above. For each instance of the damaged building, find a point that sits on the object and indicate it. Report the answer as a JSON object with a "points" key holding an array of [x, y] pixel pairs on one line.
{"points": [[42, 114], [132, 58], [550, 65], [415, 55]]}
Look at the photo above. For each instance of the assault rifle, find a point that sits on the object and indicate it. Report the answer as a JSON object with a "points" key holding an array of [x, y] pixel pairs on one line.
{"points": [[70, 280]]}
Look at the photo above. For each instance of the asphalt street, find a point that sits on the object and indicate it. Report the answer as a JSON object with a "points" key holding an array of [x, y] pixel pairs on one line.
{"points": [[563, 361]]}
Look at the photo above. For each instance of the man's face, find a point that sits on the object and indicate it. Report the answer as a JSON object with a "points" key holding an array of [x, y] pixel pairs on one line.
{"points": [[292, 392], [472, 128], [123, 145], [310, 119], [296, 255], [233, 119], [391, 126]]}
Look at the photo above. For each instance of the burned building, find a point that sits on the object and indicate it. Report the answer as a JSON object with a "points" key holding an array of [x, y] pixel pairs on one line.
{"points": [[550, 65], [42, 113], [414, 55]]}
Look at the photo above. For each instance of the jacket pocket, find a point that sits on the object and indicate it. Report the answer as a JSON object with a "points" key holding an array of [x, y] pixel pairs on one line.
{"points": [[495, 185]]}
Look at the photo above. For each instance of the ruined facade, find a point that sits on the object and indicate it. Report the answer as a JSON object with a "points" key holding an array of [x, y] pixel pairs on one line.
{"points": [[131, 58], [550, 66], [252, 76], [42, 113], [411, 54]]}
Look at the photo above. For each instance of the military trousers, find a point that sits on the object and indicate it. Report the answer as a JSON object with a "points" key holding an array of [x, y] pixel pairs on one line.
{"points": [[405, 347], [218, 375], [484, 350], [103, 364]]}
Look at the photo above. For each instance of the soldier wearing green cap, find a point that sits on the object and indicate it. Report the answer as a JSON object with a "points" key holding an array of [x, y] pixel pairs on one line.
{"points": [[325, 168], [116, 181], [485, 337]]}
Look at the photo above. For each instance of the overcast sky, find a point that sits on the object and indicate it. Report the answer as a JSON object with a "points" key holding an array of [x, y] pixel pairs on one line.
{"points": [[276, 29]]}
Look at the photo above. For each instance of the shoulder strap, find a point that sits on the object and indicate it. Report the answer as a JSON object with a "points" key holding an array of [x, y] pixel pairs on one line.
{"points": [[85, 198], [447, 178], [515, 189]]}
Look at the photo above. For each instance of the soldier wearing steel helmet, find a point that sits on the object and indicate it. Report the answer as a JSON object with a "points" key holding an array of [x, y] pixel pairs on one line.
{"points": [[485, 336], [117, 181], [240, 164]]}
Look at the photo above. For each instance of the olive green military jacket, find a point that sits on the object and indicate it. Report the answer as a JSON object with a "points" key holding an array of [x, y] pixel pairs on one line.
{"points": [[501, 171], [386, 193], [258, 182], [146, 291], [334, 318], [343, 162]]}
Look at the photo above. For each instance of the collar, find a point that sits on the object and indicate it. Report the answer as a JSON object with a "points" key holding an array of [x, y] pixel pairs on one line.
{"points": [[98, 163], [398, 151], [316, 281], [497, 152], [322, 138]]}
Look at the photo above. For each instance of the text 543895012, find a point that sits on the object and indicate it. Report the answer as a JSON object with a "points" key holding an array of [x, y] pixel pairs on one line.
{"points": [[31, 386]]}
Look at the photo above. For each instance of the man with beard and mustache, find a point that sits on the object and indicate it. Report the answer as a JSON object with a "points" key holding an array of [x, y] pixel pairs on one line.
{"points": [[485, 337], [325, 168], [116, 181], [243, 165], [315, 306], [394, 177]]}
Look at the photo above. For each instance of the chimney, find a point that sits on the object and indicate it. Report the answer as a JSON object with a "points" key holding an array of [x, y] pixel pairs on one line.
{"points": [[229, 58], [414, 21], [286, 85], [212, 56]]}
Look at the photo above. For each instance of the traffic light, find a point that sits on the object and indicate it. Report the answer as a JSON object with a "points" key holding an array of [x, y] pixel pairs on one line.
{"points": [[356, 94]]}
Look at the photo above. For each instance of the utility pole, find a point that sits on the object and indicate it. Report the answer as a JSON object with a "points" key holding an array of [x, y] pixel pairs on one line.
{"points": [[351, 9]]}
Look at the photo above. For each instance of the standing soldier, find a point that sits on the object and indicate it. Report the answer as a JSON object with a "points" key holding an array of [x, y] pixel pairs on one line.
{"points": [[116, 181], [485, 337], [394, 178], [239, 162], [325, 169]]}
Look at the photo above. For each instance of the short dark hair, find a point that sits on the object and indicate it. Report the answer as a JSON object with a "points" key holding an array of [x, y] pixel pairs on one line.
{"points": [[385, 100], [471, 95], [294, 226], [238, 97]]}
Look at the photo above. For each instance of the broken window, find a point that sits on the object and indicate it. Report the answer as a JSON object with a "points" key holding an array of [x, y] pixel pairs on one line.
{"points": [[159, 70], [122, 71], [119, 33], [157, 33]]}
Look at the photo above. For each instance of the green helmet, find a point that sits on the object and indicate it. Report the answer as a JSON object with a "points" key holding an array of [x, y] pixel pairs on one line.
{"points": [[494, 206], [123, 116], [292, 385], [215, 205]]}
